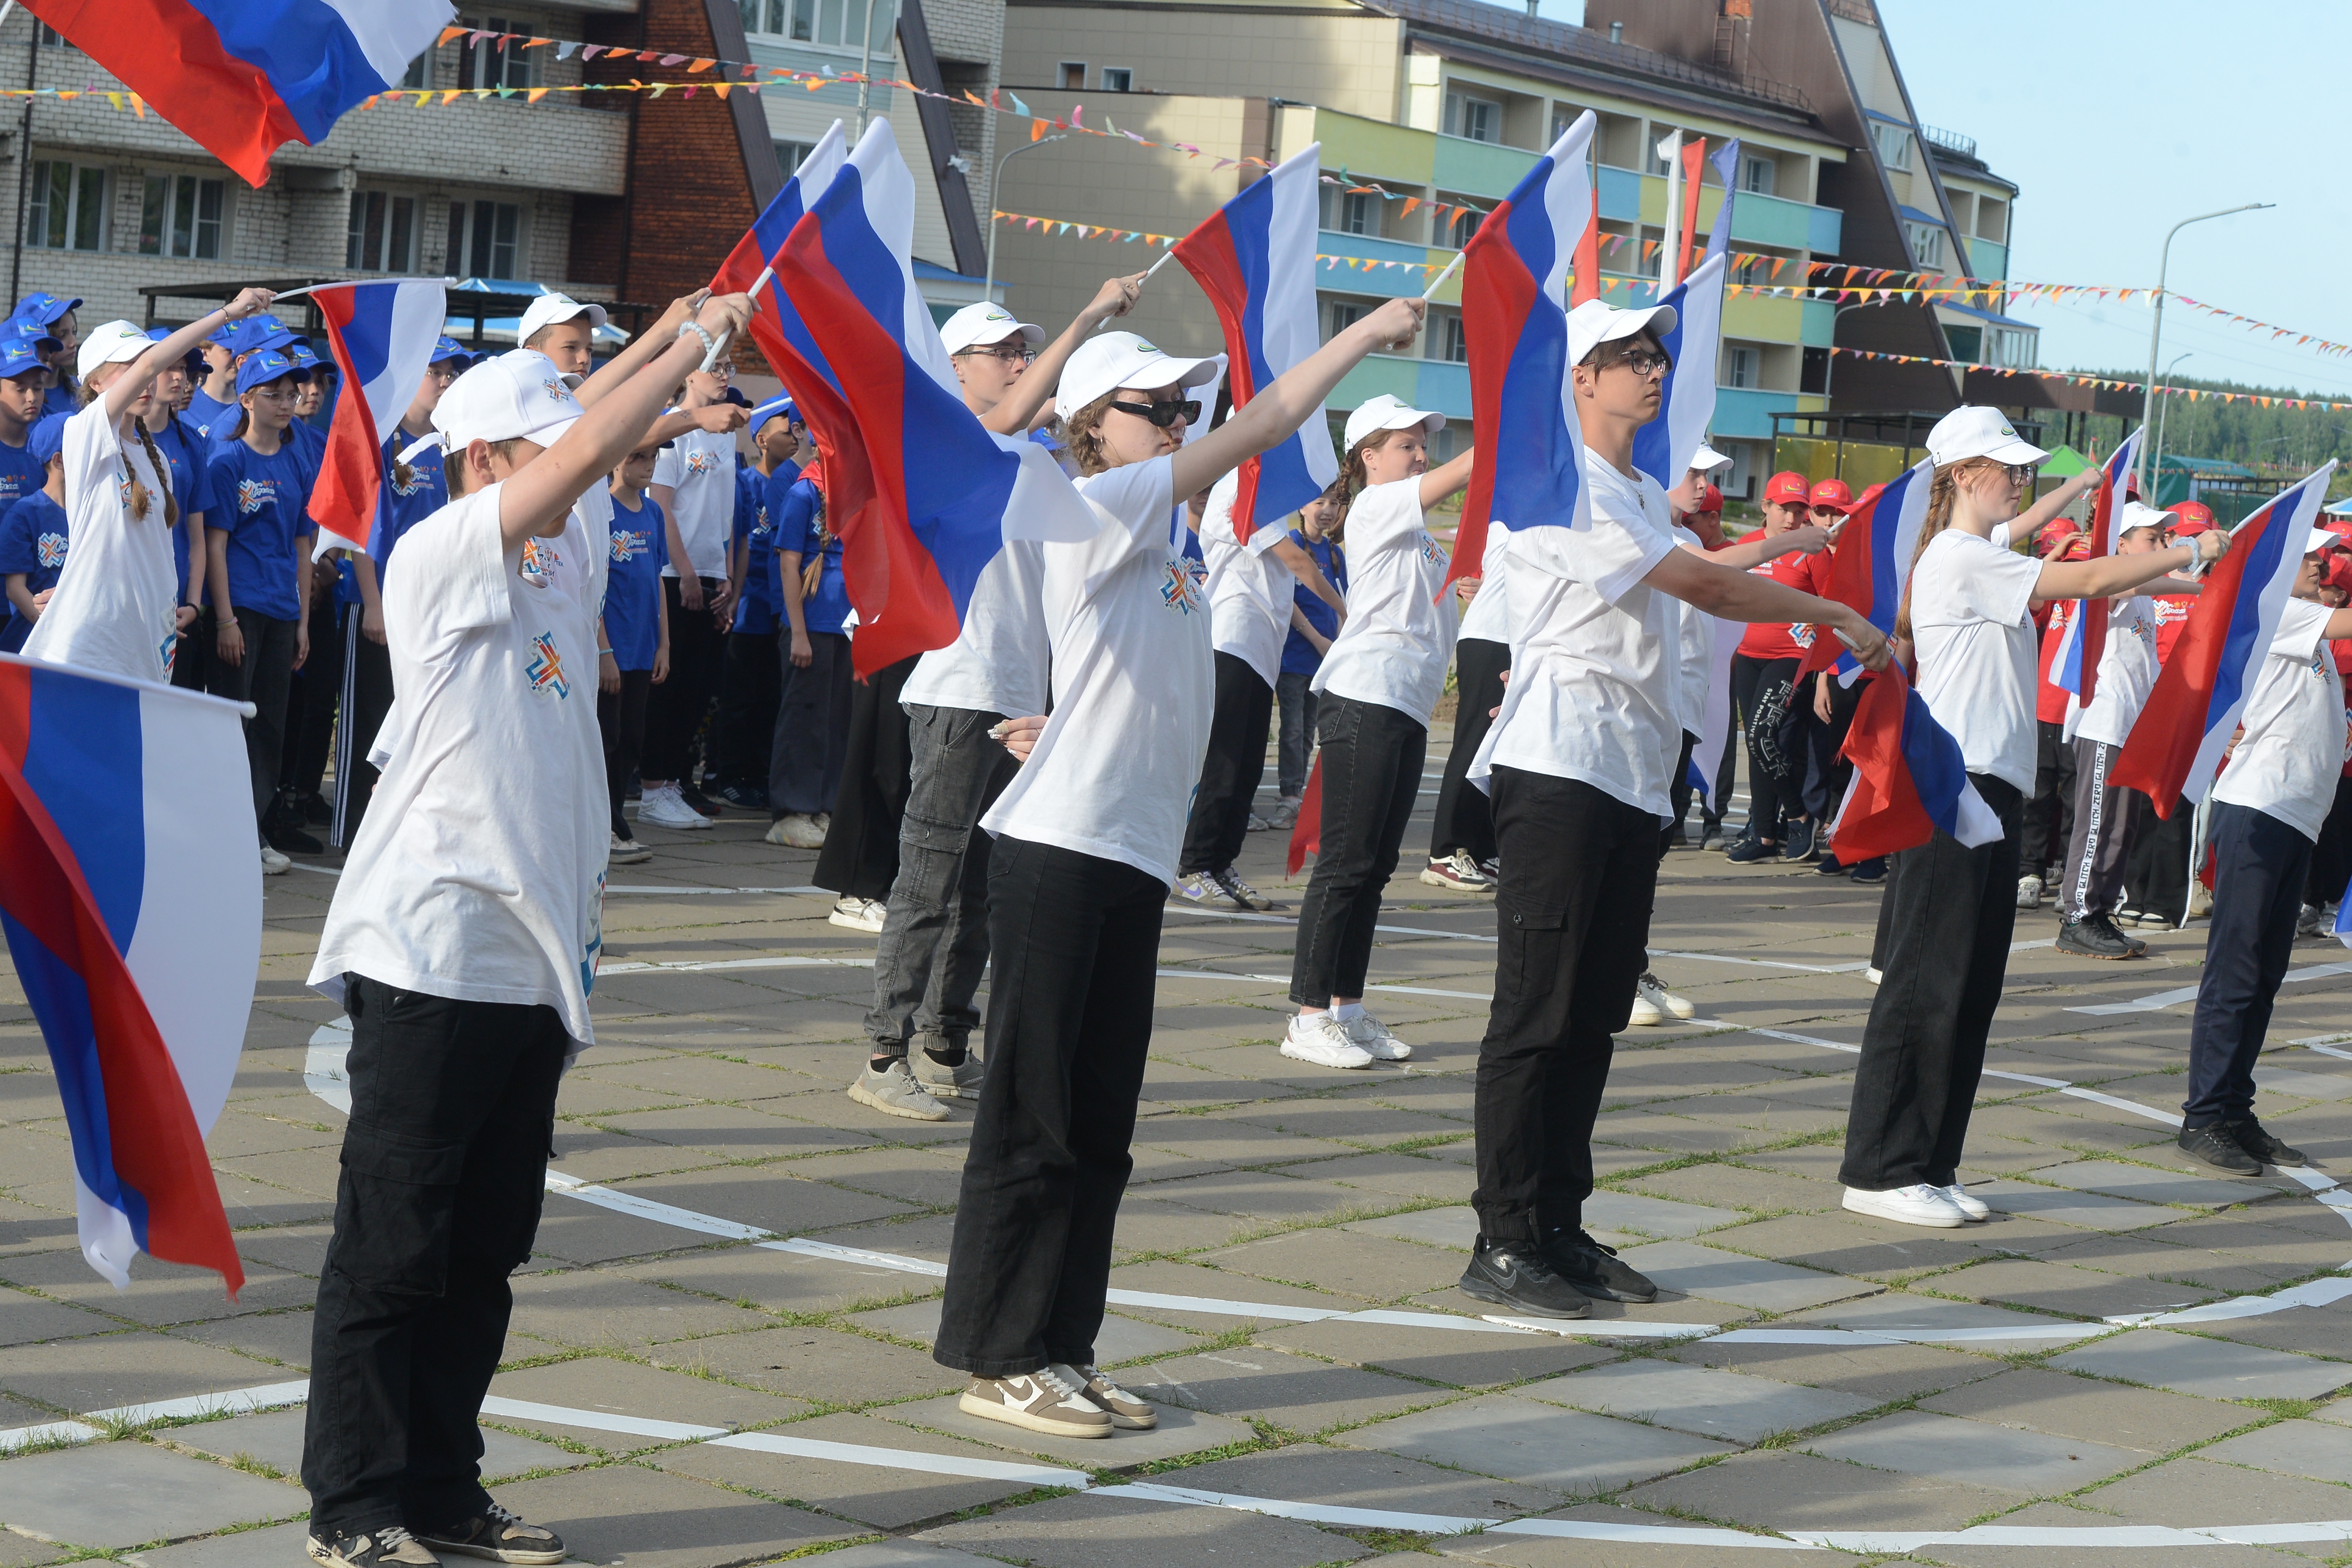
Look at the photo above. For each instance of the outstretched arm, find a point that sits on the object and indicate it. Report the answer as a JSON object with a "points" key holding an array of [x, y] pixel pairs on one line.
{"points": [[125, 389], [641, 349], [2122, 574], [1013, 413], [1445, 481], [1736, 596]]}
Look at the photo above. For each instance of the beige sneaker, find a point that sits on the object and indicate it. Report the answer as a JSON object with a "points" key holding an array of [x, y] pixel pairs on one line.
{"points": [[940, 1081], [859, 914], [1043, 1401], [796, 831], [391, 1547], [1127, 1411], [499, 1536], [894, 1092]]}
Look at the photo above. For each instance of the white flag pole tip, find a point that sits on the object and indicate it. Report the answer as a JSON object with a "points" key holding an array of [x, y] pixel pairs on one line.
{"points": [[1440, 280], [719, 347]]}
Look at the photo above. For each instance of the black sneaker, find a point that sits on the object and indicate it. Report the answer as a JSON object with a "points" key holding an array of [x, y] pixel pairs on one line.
{"points": [[2258, 1142], [1516, 1276], [391, 1547], [1872, 870], [1749, 850], [2096, 937], [1593, 1267], [497, 1536], [1797, 842], [750, 796], [698, 801], [2215, 1148], [289, 839], [1830, 866], [316, 810]]}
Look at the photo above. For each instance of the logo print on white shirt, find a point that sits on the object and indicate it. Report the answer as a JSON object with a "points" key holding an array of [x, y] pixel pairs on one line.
{"points": [[701, 462], [546, 667], [1183, 589], [1430, 552], [539, 561], [51, 549]]}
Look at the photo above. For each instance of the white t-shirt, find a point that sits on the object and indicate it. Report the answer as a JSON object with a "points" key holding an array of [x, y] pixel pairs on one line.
{"points": [[1250, 589], [1698, 639], [700, 465], [998, 663], [2292, 754], [1596, 669], [480, 872], [1970, 604], [2128, 670], [1398, 636], [1134, 685], [1488, 618], [115, 607]]}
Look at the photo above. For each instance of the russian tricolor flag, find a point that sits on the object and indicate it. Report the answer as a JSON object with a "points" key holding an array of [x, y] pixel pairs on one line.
{"points": [[777, 328], [114, 794], [244, 77], [1872, 561], [383, 336], [2175, 749], [922, 494], [1255, 258], [2074, 667], [1663, 448], [1909, 779], [1530, 452]]}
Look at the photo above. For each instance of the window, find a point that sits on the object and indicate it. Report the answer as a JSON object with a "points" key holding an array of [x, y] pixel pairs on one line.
{"points": [[496, 62], [1564, 115], [485, 239], [1454, 233], [382, 234], [791, 156], [53, 39], [1927, 243], [2011, 349], [1755, 269], [1814, 371], [1360, 212], [1074, 76], [183, 215], [1757, 174], [1740, 366], [420, 72], [1453, 340], [1893, 142], [1117, 78], [65, 208], [1476, 119], [1338, 315], [1967, 344]]}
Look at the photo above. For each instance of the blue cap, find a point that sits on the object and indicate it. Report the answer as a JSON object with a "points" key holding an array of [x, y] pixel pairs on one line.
{"points": [[299, 352], [256, 334], [42, 341], [449, 349], [44, 309], [195, 356], [769, 410], [266, 366], [46, 438], [18, 357]]}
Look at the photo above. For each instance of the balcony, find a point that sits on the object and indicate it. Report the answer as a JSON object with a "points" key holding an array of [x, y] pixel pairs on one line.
{"points": [[1384, 282], [1480, 168], [1438, 385], [1745, 414], [1988, 259]]}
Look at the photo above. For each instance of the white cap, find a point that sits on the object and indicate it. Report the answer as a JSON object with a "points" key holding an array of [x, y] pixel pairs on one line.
{"points": [[117, 343], [1593, 324], [2322, 539], [1973, 430], [1387, 413], [549, 309], [1706, 459], [514, 393], [2134, 515], [986, 322], [1105, 363]]}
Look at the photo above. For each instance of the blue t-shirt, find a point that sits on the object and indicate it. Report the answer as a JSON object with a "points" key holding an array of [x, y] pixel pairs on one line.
{"points": [[188, 454], [60, 399], [311, 440], [633, 590], [33, 539], [203, 408], [20, 475], [754, 531], [401, 504], [1298, 655], [262, 503], [802, 529]]}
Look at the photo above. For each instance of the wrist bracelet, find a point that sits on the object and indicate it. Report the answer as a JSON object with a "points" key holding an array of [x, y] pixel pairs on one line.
{"points": [[709, 344]]}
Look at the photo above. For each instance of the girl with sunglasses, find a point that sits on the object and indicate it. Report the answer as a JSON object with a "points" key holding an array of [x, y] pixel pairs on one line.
{"points": [[1087, 836]]}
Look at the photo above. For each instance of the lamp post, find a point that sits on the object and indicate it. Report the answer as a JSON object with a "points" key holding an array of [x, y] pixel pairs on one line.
{"points": [[2156, 330], [2155, 463], [988, 285]]}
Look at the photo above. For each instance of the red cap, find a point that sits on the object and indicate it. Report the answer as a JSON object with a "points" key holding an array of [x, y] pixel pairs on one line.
{"points": [[2335, 570], [2077, 548], [1788, 485], [1710, 503], [1835, 494], [2189, 519]]}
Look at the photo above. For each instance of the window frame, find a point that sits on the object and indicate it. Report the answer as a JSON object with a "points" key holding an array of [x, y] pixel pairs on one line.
{"points": [[179, 186], [1061, 71], [1126, 82], [1458, 104], [39, 187], [386, 223], [464, 241]]}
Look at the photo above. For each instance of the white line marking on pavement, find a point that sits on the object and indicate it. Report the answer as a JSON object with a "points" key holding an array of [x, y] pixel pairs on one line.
{"points": [[1293, 920], [905, 1459], [2158, 1000]]}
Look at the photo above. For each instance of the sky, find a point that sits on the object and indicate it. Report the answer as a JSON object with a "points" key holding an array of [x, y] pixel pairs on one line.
{"points": [[2086, 106]]}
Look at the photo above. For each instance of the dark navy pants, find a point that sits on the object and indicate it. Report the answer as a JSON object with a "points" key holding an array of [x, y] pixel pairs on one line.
{"points": [[2259, 865]]}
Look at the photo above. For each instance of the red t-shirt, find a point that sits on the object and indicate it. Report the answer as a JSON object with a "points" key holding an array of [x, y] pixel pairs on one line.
{"points": [[1779, 640], [2050, 701], [2172, 620]]}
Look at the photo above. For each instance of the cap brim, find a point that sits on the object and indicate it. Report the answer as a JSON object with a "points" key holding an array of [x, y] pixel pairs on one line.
{"points": [[1706, 459], [2322, 539], [2018, 452]]}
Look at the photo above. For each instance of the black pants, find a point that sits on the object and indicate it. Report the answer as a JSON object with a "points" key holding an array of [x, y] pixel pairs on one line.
{"points": [[1827, 772], [1466, 819], [2156, 880], [317, 690], [192, 659], [811, 730], [860, 857], [1231, 770], [2050, 816], [1372, 776], [2259, 866], [1076, 939], [674, 713], [444, 1166], [749, 692], [2331, 857], [1580, 872], [1726, 771], [621, 721], [1678, 793], [2108, 820], [367, 697], [264, 679], [1763, 689], [1949, 913]]}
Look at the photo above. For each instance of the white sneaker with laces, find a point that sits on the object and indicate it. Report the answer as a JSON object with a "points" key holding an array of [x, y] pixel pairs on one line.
{"points": [[1973, 1209], [1458, 871], [2029, 892], [796, 830], [2200, 899], [664, 807], [1376, 1037], [1653, 990], [1644, 1013], [1285, 814], [628, 852], [1321, 1038], [1126, 1411], [273, 864], [1917, 1203], [856, 913]]}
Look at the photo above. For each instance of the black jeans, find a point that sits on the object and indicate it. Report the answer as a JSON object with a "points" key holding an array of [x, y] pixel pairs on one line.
{"points": [[1948, 914], [860, 857], [1764, 689], [621, 718], [1077, 939], [444, 1164], [1372, 777], [1678, 796], [749, 692], [2050, 816], [1296, 748], [1466, 819], [2156, 880], [264, 678], [933, 950], [1827, 772], [367, 697], [1580, 873], [2259, 866], [2108, 820], [811, 729], [674, 713], [1230, 770], [318, 689], [2331, 857]]}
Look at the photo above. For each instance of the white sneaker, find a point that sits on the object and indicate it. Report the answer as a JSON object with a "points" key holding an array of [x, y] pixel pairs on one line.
{"points": [[894, 1092], [664, 807], [628, 852], [273, 864], [1918, 1203], [1653, 990], [1042, 1401], [2307, 923], [1874, 975], [1458, 871], [2200, 900], [856, 913], [1972, 1209], [1376, 1037], [796, 830], [1321, 1038], [2029, 892], [1645, 1014], [1285, 814]]}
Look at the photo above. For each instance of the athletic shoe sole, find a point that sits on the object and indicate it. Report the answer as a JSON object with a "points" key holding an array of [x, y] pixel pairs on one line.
{"points": [[1950, 1218], [1299, 1055], [997, 1410], [1485, 1292], [860, 1093]]}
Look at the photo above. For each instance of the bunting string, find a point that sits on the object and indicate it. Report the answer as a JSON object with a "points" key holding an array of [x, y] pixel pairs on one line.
{"points": [[2105, 383]]}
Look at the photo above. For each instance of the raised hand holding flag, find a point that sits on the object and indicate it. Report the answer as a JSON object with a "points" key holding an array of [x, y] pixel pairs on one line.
{"points": [[2075, 666], [383, 336], [1909, 779], [1872, 561]]}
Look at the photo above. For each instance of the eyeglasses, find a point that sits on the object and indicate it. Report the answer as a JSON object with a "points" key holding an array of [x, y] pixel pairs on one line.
{"points": [[1162, 413], [724, 369], [1644, 364], [2020, 473], [1010, 353]]}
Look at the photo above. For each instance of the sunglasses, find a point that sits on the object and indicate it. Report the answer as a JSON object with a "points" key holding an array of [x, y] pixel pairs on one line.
{"points": [[1162, 413]]}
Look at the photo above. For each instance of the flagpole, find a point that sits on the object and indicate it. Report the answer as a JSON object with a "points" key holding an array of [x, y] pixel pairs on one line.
{"points": [[337, 282], [1439, 281], [719, 345], [1166, 256]]}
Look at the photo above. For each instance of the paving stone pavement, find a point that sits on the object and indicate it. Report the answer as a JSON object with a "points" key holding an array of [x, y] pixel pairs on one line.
{"points": [[676, 1396]]}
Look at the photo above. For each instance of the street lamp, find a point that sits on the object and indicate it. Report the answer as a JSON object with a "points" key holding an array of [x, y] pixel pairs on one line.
{"points": [[988, 285], [2155, 463], [2156, 330]]}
